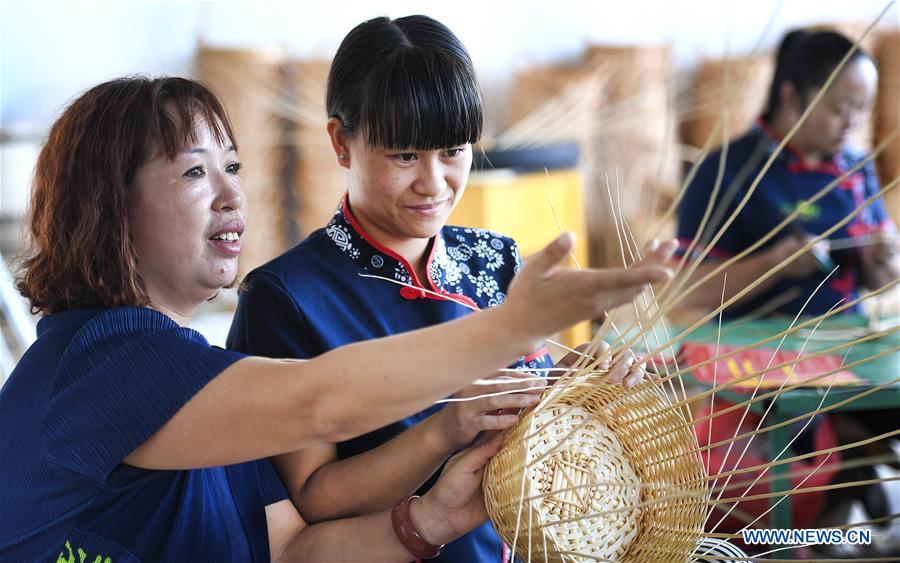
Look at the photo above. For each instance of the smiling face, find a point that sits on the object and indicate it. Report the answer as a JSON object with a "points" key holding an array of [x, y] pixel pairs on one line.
{"points": [[187, 217], [839, 112], [403, 196]]}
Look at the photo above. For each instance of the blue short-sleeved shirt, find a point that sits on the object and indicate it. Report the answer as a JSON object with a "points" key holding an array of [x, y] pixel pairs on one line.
{"points": [[788, 183], [94, 386], [312, 299]]}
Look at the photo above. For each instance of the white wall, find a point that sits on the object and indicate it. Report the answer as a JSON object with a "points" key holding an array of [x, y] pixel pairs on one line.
{"points": [[52, 50]]}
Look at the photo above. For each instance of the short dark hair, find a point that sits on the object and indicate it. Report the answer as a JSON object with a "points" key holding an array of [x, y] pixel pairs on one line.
{"points": [[79, 253], [406, 83], [806, 59]]}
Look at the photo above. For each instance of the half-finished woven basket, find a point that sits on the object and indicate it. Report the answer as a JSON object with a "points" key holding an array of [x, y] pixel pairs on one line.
{"points": [[589, 476]]}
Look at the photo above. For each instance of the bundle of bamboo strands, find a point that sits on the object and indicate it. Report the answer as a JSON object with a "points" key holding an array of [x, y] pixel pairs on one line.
{"points": [[249, 84], [567, 103], [633, 147], [747, 87], [535, 88], [887, 56], [318, 182]]}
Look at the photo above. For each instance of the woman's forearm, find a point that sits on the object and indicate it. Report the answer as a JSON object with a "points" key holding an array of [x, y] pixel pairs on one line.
{"points": [[259, 407], [377, 479], [363, 538], [370, 384]]}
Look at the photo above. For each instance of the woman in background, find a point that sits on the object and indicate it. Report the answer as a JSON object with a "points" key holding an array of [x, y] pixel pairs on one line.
{"points": [[817, 154]]}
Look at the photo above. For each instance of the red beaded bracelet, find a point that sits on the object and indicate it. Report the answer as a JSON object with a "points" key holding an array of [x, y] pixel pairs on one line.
{"points": [[408, 535]]}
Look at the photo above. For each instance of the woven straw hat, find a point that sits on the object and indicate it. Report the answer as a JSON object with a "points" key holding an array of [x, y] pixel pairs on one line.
{"points": [[598, 472]]}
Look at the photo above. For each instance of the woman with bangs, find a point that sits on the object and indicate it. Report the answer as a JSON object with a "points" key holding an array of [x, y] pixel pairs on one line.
{"points": [[404, 110], [126, 437]]}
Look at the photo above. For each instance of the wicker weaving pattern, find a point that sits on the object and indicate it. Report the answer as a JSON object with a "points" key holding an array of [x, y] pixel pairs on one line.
{"points": [[588, 476], [593, 455]]}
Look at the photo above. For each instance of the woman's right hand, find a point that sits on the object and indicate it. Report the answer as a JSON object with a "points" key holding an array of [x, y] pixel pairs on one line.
{"points": [[455, 504], [546, 297]]}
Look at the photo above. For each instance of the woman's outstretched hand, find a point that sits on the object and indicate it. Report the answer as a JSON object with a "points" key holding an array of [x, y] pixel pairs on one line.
{"points": [[546, 297]]}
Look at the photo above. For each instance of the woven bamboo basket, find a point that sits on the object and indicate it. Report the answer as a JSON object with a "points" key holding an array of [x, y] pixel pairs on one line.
{"points": [[887, 111], [589, 477], [748, 84], [249, 84]]}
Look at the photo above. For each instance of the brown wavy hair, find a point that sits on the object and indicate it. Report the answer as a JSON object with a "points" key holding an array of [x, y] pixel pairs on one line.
{"points": [[79, 252]]}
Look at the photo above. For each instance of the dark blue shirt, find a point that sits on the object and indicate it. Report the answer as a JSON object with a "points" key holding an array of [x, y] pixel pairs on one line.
{"points": [[785, 187], [95, 386], [313, 299]]}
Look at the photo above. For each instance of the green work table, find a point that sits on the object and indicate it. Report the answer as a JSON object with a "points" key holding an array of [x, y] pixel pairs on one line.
{"points": [[790, 404]]}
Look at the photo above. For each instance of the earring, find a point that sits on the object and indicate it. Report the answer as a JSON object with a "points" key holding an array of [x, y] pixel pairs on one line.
{"points": [[342, 156]]}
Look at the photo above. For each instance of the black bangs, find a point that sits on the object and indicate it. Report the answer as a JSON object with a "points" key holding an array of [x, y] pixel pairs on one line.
{"points": [[405, 84], [421, 100]]}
